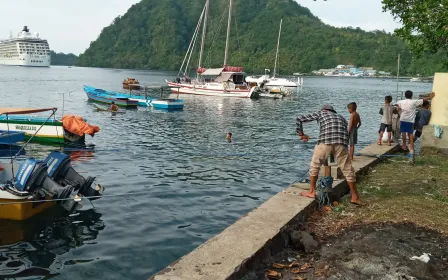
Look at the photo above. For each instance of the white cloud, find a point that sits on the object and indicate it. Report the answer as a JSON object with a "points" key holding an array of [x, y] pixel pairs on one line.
{"points": [[366, 14]]}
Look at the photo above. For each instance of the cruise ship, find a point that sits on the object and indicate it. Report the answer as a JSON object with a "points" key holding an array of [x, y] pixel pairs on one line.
{"points": [[26, 49]]}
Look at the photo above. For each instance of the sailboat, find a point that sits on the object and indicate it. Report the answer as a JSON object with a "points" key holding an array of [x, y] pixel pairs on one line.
{"points": [[226, 81], [273, 83]]}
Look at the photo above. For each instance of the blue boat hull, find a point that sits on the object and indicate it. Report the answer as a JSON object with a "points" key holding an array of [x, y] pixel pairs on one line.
{"points": [[106, 97], [11, 137], [146, 101], [168, 104]]}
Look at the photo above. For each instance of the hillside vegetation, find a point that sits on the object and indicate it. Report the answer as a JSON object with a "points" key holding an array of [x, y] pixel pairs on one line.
{"points": [[63, 59], [155, 34]]}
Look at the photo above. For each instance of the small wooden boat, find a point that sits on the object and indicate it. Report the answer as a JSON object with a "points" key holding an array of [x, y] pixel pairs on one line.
{"points": [[46, 130], [53, 180], [102, 96], [131, 84], [167, 104], [36, 185], [145, 100], [101, 108], [43, 129], [105, 109]]}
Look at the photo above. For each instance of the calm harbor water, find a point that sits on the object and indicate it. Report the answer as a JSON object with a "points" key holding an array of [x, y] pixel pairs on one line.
{"points": [[191, 182]]}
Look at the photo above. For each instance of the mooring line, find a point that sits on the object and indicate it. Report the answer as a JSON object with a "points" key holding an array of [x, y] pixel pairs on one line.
{"points": [[73, 198]]}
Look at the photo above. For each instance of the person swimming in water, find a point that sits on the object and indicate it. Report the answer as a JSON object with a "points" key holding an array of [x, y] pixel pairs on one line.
{"points": [[229, 137], [114, 107]]}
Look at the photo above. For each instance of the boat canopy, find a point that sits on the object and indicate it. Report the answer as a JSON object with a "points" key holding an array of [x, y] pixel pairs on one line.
{"points": [[22, 111], [224, 77], [213, 72]]}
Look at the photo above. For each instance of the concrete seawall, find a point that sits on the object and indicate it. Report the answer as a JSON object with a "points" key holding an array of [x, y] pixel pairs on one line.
{"points": [[260, 233]]}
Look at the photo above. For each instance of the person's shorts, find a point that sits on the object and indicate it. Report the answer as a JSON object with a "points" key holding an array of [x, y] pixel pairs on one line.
{"points": [[353, 137], [341, 155], [384, 127], [406, 127]]}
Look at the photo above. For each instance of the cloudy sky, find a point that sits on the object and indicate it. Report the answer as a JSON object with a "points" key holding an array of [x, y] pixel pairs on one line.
{"points": [[70, 25]]}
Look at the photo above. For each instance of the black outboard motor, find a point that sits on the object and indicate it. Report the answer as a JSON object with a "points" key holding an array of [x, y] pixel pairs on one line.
{"points": [[60, 170], [32, 176]]}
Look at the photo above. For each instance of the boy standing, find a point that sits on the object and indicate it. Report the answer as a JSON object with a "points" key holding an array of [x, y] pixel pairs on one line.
{"points": [[354, 124], [407, 118], [422, 118], [387, 112]]}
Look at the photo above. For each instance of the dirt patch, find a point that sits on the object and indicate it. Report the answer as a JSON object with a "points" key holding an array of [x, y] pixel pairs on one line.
{"points": [[367, 252], [396, 192]]}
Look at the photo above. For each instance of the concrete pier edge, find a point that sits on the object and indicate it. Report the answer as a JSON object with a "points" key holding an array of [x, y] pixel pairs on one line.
{"points": [[261, 233]]}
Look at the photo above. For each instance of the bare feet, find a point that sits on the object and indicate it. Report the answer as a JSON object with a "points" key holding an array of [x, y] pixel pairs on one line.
{"points": [[358, 203], [308, 194], [405, 148], [379, 143]]}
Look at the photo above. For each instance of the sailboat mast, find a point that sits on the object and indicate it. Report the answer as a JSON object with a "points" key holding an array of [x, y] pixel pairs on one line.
{"points": [[204, 31], [278, 46], [398, 75], [228, 33]]}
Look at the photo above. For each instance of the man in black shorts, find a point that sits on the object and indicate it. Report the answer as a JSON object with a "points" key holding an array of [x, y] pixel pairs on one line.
{"points": [[422, 118]]}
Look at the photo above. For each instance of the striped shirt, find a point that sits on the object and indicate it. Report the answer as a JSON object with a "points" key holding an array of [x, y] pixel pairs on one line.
{"points": [[333, 127]]}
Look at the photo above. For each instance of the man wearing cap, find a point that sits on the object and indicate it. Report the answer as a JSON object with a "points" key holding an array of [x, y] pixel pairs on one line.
{"points": [[333, 139]]}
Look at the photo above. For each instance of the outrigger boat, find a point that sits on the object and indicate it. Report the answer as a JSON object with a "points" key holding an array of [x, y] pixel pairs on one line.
{"points": [[146, 100], [36, 185], [102, 96], [44, 130]]}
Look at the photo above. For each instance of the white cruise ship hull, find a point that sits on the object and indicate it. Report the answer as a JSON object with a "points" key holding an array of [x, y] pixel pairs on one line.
{"points": [[27, 49], [27, 61], [212, 89]]}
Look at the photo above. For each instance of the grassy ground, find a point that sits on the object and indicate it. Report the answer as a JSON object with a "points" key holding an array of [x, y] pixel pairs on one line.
{"points": [[396, 192]]}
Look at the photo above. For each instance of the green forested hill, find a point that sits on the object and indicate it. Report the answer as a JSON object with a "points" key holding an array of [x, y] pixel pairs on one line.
{"points": [[63, 59], [155, 34]]}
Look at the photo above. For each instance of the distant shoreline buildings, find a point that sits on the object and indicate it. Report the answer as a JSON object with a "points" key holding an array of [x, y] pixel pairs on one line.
{"points": [[351, 71]]}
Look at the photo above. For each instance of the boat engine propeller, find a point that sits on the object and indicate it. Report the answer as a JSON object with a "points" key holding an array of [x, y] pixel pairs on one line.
{"points": [[61, 171]]}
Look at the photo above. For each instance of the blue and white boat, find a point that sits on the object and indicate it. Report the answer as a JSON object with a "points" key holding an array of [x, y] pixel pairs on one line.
{"points": [[103, 96], [148, 101]]}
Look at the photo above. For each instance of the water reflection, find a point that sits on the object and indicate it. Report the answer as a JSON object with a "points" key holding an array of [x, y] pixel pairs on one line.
{"points": [[32, 249]]}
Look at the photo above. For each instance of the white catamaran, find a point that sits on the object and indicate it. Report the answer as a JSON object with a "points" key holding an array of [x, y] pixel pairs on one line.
{"points": [[226, 81]]}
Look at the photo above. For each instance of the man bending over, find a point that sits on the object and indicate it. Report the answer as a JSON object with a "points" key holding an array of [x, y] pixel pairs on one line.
{"points": [[333, 139]]}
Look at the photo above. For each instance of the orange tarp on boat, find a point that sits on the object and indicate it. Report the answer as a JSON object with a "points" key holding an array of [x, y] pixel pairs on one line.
{"points": [[78, 126]]}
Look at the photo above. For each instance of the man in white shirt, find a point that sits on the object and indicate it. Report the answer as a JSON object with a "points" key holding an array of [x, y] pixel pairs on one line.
{"points": [[407, 118]]}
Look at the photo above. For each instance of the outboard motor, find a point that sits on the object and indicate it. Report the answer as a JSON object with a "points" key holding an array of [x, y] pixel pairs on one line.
{"points": [[32, 176], [60, 170]]}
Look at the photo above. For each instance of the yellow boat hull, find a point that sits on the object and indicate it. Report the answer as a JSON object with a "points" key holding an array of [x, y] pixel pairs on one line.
{"points": [[22, 211]]}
